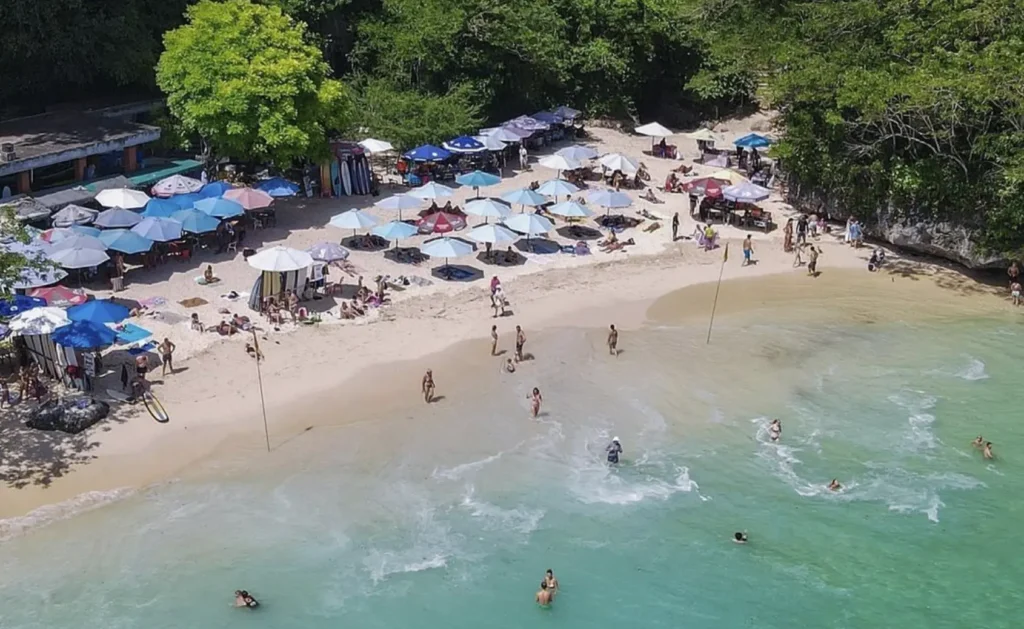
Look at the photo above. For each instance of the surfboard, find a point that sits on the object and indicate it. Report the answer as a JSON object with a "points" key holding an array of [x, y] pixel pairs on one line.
{"points": [[335, 178], [364, 170], [119, 396], [346, 179], [155, 408]]}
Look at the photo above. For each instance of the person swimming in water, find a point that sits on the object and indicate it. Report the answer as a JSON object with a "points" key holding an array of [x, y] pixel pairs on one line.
{"points": [[979, 442], [775, 429], [544, 596], [551, 581], [986, 451], [739, 538], [244, 599], [614, 449], [834, 485]]}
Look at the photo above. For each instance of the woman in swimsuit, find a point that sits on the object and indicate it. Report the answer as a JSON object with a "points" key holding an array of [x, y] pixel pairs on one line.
{"points": [[535, 400]]}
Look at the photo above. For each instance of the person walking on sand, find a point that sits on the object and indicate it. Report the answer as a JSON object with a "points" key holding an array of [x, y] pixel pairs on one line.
{"points": [[428, 386], [535, 400], [1015, 292], [613, 340], [801, 229], [787, 243], [520, 341], [748, 251], [494, 340], [812, 261], [524, 157], [675, 227], [166, 350]]}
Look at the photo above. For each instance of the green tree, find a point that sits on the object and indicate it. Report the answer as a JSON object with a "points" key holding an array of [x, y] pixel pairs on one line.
{"points": [[244, 77], [410, 118]]}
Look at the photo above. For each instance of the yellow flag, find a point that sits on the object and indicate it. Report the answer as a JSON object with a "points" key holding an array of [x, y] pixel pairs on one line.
{"points": [[725, 256]]}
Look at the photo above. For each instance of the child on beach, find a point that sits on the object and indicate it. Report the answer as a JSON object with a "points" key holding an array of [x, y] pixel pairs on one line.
{"points": [[1015, 293]]}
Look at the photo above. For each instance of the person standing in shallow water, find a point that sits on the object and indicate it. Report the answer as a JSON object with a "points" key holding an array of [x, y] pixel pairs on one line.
{"points": [[428, 386], [494, 340], [535, 400], [544, 596], [613, 340]]}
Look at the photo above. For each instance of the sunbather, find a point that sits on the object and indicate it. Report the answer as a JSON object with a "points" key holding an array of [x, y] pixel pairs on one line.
{"points": [[610, 240], [617, 246], [652, 227], [650, 196]]}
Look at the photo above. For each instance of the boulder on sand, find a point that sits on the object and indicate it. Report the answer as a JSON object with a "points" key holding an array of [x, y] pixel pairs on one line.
{"points": [[69, 415]]}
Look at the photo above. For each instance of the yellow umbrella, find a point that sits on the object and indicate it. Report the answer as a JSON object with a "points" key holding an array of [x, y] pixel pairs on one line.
{"points": [[704, 135], [729, 175]]}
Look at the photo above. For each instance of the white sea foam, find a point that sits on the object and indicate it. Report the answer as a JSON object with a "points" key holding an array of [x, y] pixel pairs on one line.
{"points": [[975, 370], [429, 545], [920, 436], [521, 520], [12, 527], [382, 565]]}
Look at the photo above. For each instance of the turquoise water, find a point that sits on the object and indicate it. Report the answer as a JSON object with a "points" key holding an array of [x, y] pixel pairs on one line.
{"points": [[447, 517]]}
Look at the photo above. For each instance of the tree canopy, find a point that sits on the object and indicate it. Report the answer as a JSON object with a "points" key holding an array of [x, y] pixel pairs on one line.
{"points": [[245, 79]]}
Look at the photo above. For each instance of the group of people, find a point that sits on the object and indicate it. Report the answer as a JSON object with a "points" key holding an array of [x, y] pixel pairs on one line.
{"points": [[29, 384], [984, 446]]}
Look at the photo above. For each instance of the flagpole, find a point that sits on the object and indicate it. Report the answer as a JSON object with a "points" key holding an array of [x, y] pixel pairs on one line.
{"points": [[718, 287], [259, 378]]}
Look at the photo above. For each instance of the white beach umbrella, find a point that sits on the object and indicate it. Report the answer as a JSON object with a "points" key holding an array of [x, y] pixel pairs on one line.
{"points": [[490, 142], [376, 146], [654, 130], [610, 199], [399, 202], [78, 241], [38, 321], [176, 184], [702, 135], [505, 135], [117, 218], [34, 277], [281, 259], [570, 209], [488, 208], [79, 258], [557, 188], [495, 234], [158, 229], [577, 152], [122, 197], [73, 215], [431, 190], [446, 247], [353, 219], [559, 162], [618, 161], [745, 192], [529, 224], [328, 252]]}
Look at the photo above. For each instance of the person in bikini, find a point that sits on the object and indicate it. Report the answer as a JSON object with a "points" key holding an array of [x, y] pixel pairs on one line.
{"points": [[535, 400], [834, 485], [775, 429], [428, 386], [552, 582], [1015, 292]]}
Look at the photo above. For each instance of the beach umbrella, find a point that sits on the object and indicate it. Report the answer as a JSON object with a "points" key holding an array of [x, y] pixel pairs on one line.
{"points": [[278, 187], [158, 229], [618, 161], [488, 208], [328, 252], [184, 201], [567, 112], [32, 277], [753, 141], [73, 215], [570, 209], [730, 176], [196, 221], [249, 198], [85, 230], [464, 144], [59, 296], [506, 134], [38, 321], [280, 259], [84, 335], [427, 153], [122, 197], [477, 179], [221, 208], [79, 258], [53, 236], [373, 146], [399, 202], [705, 186], [654, 130], [78, 241], [494, 234], [176, 184], [610, 199], [524, 196], [34, 249], [395, 230], [353, 219], [99, 311], [440, 223], [745, 192], [559, 163], [163, 208], [556, 188], [490, 142], [577, 152], [28, 209], [125, 241], [215, 189], [16, 304], [703, 135], [117, 217], [446, 248], [431, 190], [529, 224], [528, 123]]}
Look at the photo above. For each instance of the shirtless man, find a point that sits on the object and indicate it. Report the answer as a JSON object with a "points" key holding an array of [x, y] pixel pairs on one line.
{"points": [[494, 340], [986, 451], [979, 442], [428, 386], [544, 597], [166, 350], [834, 485], [520, 341], [812, 260], [613, 340]]}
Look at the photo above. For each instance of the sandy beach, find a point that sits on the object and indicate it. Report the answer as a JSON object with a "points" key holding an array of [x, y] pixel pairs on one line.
{"points": [[339, 372]]}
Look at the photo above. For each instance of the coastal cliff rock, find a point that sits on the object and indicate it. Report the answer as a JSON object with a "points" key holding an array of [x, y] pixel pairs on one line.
{"points": [[942, 239]]}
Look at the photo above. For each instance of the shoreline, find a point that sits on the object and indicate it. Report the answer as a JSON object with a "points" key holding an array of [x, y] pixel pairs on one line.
{"points": [[141, 453]]}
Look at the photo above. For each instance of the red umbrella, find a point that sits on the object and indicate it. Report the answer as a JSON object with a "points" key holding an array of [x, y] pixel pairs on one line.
{"points": [[59, 296], [440, 223], [706, 186]]}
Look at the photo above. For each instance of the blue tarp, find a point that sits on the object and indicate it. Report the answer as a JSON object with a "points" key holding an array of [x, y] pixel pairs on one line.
{"points": [[428, 153]]}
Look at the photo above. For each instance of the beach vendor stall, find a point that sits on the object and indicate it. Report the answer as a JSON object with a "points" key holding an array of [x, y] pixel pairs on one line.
{"points": [[283, 270]]}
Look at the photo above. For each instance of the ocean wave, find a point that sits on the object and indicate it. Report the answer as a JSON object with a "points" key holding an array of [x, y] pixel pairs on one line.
{"points": [[629, 484], [521, 520], [43, 516], [382, 565], [920, 435], [975, 370]]}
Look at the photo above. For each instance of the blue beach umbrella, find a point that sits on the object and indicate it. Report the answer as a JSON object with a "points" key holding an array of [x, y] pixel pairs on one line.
{"points": [[477, 179], [84, 335], [117, 218], [427, 153], [163, 208], [278, 187], [221, 208], [184, 201], [753, 141], [464, 144], [158, 229], [125, 241], [99, 311], [215, 189], [85, 230], [524, 196], [395, 230], [18, 304], [196, 221]]}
